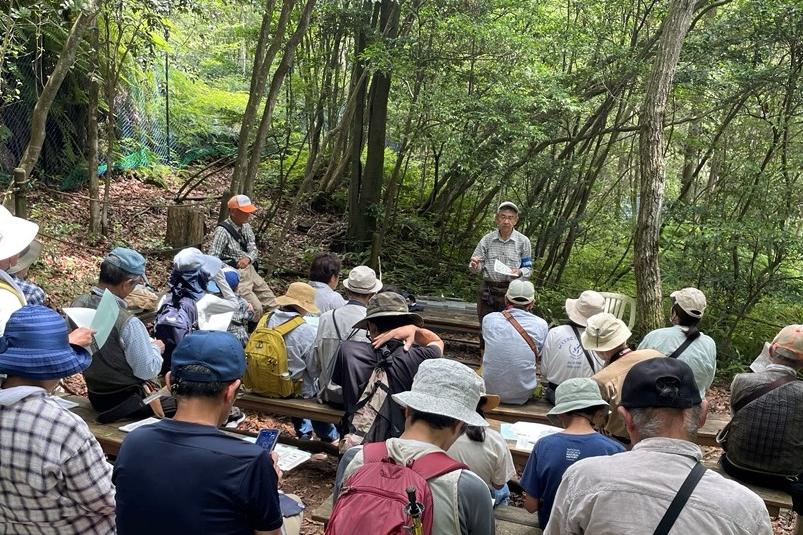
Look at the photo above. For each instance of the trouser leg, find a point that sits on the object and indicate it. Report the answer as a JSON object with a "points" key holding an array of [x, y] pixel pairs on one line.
{"points": [[246, 291], [326, 432], [260, 292], [292, 524], [303, 426]]}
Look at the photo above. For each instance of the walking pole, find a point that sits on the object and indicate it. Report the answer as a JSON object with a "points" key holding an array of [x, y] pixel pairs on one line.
{"points": [[414, 510]]}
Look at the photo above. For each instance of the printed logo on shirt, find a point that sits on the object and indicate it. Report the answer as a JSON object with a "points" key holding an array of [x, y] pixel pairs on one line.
{"points": [[572, 454]]}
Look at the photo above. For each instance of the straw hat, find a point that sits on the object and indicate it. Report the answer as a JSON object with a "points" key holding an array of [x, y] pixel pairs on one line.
{"points": [[604, 332], [301, 295], [585, 306], [446, 388]]}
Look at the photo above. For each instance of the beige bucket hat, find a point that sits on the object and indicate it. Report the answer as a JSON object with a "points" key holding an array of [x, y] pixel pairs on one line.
{"points": [[388, 304], [588, 304], [301, 295], [604, 332], [362, 280], [691, 300]]}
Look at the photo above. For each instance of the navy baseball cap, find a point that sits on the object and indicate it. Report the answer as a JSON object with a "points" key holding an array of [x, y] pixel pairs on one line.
{"points": [[660, 382], [219, 352]]}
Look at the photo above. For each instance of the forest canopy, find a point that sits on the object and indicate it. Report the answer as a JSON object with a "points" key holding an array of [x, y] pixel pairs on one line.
{"points": [[413, 119]]}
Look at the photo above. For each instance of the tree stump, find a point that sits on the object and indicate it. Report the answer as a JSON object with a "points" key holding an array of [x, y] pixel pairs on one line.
{"points": [[185, 226]]}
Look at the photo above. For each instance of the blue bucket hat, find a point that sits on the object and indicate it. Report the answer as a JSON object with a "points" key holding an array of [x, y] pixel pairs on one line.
{"points": [[219, 352], [35, 346]]}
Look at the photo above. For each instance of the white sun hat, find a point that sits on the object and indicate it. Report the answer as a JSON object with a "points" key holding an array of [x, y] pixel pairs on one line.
{"points": [[604, 332], [15, 233], [362, 280], [588, 304], [446, 388]]}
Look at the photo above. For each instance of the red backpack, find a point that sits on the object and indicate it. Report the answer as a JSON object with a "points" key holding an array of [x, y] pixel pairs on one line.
{"points": [[372, 501]]}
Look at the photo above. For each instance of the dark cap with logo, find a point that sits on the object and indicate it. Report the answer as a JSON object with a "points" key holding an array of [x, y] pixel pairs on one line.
{"points": [[660, 383]]}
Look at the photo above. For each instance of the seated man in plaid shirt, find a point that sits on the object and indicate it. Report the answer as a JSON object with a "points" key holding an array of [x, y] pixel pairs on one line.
{"points": [[53, 474], [234, 242]]}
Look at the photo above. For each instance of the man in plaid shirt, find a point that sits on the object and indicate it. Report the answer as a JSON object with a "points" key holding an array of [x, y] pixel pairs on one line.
{"points": [[506, 246], [234, 242], [54, 478]]}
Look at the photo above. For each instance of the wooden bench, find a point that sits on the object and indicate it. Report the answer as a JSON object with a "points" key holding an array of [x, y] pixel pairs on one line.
{"points": [[533, 411], [509, 520], [444, 320], [775, 500]]}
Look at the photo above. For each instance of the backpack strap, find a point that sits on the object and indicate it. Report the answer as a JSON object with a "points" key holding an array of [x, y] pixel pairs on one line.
{"points": [[234, 233], [686, 343], [585, 351], [688, 486], [435, 464], [334, 320], [288, 325], [527, 338], [6, 286], [374, 452]]}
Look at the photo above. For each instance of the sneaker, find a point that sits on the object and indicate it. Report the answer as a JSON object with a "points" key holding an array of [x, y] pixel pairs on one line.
{"points": [[305, 436], [236, 416]]}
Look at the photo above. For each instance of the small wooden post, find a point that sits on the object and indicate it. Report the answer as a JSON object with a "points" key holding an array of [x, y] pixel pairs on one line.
{"points": [[20, 201], [185, 226]]}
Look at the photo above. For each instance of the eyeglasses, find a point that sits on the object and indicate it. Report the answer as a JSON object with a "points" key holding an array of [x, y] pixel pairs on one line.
{"points": [[501, 217]]}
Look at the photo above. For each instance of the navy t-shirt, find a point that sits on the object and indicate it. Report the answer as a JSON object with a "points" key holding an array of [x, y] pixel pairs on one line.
{"points": [[178, 477], [550, 459]]}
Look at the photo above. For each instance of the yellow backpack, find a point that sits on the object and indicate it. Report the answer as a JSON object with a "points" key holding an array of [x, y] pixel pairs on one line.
{"points": [[266, 371]]}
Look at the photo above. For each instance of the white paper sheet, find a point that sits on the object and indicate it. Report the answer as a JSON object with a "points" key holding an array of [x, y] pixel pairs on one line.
{"points": [[82, 317], [215, 322], [134, 425], [65, 403], [502, 269], [529, 433], [762, 360], [289, 456]]}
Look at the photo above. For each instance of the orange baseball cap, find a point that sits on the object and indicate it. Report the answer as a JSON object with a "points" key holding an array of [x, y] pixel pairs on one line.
{"points": [[789, 343], [242, 203]]}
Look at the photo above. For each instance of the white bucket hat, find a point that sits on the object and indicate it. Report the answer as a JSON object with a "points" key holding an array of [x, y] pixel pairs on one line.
{"points": [[15, 233], [362, 280], [585, 306], [446, 388], [604, 332], [691, 300]]}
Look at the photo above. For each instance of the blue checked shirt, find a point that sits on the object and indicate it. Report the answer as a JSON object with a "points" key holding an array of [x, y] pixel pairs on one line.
{"points": [[54, 477], [515, 252], [33, 294]]}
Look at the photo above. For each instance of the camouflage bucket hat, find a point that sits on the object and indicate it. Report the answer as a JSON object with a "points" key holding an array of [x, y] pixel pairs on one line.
{"points": [[388, 304]]}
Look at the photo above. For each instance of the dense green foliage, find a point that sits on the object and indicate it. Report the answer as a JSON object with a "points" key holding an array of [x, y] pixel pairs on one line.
{"points": [[533, 101]]}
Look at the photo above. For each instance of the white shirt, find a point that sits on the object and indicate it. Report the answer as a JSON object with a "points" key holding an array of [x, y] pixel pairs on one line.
{"points": [[508, 364], [325, 297], [563, 357], [490, 459]]}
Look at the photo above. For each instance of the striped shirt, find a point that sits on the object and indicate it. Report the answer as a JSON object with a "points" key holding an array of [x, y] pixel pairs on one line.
{"points": [[54, 478], [514, 252], [225, 247]]}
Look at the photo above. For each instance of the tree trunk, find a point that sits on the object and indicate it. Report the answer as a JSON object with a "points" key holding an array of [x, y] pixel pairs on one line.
{"points": [[185, 226], [51, 89], [92, 142], [107, 178], [652, 163], [273, 94], [259, 75]]}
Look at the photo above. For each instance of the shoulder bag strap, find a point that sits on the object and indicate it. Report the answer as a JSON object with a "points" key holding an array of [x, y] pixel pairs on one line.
{"points": [[435, 464], [766, 389], [337, 329], [527, 338], [585, 351], [680, 499], [6, 286], [289, 325], [686, 343]]}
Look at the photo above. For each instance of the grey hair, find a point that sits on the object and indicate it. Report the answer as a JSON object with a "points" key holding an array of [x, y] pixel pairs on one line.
{"points": [[652, 422]]}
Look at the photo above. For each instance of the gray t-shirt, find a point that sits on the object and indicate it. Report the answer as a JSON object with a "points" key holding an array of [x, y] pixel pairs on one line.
{"points": [[461, 500]]}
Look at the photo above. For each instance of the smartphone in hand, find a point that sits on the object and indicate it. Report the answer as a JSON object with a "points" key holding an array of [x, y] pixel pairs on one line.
{"points": [[267, 439]]}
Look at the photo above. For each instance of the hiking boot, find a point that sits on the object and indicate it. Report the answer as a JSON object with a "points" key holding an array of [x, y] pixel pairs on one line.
{"points": [[236, 416]]}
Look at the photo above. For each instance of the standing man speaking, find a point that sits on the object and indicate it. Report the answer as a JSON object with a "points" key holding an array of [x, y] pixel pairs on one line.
{"points": [[501, 255]]}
